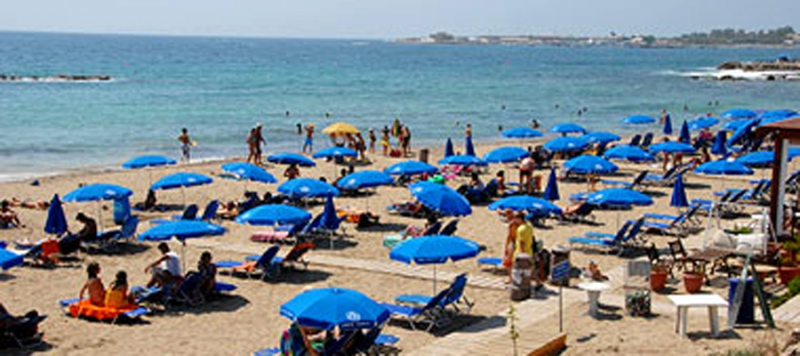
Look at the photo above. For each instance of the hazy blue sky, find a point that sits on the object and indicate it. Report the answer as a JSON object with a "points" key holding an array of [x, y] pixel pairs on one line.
{"points": [[393, 18]]}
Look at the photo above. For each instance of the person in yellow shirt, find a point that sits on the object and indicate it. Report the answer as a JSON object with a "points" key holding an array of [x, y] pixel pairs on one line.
{"points": [[524, 239], [117, 295]]}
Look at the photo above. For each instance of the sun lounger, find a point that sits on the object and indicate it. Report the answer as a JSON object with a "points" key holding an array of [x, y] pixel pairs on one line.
{"points": [[633, 184], [279, 233], [618, 242], [265, 266], [580, 213], [430, 314], [450, 228], [597, 239], [635, 140], [494, 262], [647, 140], [21, 332], [394, 239], [454, 298], [677, 225], [111, 239]]}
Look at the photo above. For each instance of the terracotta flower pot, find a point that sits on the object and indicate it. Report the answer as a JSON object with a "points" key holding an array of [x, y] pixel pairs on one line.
{"points": [[787, 274], [658, 280], [693, 282]]}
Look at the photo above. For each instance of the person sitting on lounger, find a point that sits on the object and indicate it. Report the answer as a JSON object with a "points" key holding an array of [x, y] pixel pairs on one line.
{"points": [[117, 295], [291, 172], [8, 217], [166, 270], [208, 273], [93, 285], [89, 230], [303, 341], [229, 211]]}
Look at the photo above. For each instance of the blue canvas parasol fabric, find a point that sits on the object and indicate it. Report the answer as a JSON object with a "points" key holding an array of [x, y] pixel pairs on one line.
{"points": [[667, 125], [462, 160], [522, 132], [678, 198], [702, 123], [364, 179], [448, 148], [757, 159], [436, 249], [551, 191], [328, 308], [506, 154], [410, 168], [618, 197], [56, 222], [335, 151], [181, 180], [181, 230], [307, 188], [291, 158], [638, 120], [9, 259], [600, 137], [777, 115], [723, 167], [567, 127], [739, 114], [686, 136], [628, 153], [148, 161], [565, 144], [99, 191], [588, 164], [249, 171], [469, 149], [736, 124], [719, 147], [672, 147], [274, 214], [742, 133], [526, 203], [329, 215], [440, 198]]}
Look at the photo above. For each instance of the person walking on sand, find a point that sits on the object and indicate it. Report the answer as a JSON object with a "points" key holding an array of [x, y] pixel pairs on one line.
{"points": [[309, 142], [251, 146], [259, 139], [186, 144], [372, 139]]}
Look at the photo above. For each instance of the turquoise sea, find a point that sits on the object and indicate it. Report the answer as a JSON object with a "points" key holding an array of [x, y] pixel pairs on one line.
{"points": [[220, 87]]}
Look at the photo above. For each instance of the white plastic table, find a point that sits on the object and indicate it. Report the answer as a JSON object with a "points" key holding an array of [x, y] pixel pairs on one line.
{"points": [[684, 302], [593, 289]]}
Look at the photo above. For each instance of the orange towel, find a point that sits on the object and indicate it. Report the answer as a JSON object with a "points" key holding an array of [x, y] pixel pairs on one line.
{"points": [[87, 309]]}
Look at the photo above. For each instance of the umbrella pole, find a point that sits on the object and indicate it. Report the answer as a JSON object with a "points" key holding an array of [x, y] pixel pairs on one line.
{"points": [[434, 280], [183, 194], [183, 255], [100, 214]]}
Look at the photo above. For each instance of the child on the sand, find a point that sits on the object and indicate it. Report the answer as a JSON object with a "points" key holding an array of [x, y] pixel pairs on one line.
{"points": [[94, 286]]}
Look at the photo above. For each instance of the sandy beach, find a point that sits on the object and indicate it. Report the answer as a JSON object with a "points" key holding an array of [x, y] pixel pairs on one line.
{"points": [[248, 319]]}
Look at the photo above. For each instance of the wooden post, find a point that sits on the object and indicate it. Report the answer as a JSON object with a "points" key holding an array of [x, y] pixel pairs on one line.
{"points": [[776, 203]]}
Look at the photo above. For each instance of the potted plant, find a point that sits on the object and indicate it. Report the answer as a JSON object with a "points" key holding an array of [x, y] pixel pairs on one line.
{"points": [[788, 269], [693, 281], [658, 276]]}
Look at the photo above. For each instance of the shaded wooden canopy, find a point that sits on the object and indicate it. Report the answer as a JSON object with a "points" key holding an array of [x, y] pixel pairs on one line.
{"points": [[788, 130]]}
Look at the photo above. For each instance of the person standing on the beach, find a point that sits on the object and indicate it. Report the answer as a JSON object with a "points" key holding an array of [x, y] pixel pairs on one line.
{"points": [[663, 118], [468, 131], [186, 144], [405, 141], [385, 140], [372, 140], [396, 127], [309, 142], [259, 139], [526, 167], [251, 146]]}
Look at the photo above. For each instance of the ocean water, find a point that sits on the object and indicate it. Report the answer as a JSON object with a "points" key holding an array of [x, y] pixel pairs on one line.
{"points": [[220, 87]]}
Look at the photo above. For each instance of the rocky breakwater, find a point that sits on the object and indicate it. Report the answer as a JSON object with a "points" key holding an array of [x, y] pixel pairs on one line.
{"points": [[781, 69], [55, 78]]}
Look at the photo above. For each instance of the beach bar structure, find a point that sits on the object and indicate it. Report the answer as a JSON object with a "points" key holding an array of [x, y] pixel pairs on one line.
{"points": [[785, 133]]}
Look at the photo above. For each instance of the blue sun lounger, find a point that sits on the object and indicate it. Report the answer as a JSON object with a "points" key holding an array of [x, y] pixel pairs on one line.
{"points": [[430, 314], [454, 298]]}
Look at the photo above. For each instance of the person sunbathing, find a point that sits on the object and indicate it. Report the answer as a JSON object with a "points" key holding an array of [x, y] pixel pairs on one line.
{"points": [[29, 203], [8, 217], [117, 295], [208, 273], [94, 286], [228, 211], [291, 172]]}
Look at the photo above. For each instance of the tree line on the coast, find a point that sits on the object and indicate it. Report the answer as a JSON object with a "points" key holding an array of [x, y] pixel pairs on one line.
{"points": [[731, 36]]}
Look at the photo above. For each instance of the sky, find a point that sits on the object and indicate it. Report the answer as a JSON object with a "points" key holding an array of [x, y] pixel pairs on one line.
{"points": [[384, 19]]}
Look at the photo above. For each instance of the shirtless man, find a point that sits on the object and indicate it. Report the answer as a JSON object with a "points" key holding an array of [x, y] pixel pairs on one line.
{"points": [[186, 144]]}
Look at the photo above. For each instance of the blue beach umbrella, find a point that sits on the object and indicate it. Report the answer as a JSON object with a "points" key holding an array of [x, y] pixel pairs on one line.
{"points": [[56, 222], [181, 230], [469, 149], [462, 160], [249, 171], [686, 136], [551, 191], [757, 159], [719, 144], [410, 168], [742, 133], [678, 198], [181, 180], [148, 161], [723, 167], [565, 144], [329, 308], [600, 137], [10, 259], [522, 132], [526, 203], [672, 147], [618, 197], [567, 127], [364, 179], [440, 198], [505, 155], [329, 215], [667, 125], [291, 158], [335, 151], [736, 124], [777, 115], [702, 123], [588, 164], [448, 148], [638, 120], [307, 188], [96, 192], [628, 153], [739, 114], [274, 214], [436, 249]]}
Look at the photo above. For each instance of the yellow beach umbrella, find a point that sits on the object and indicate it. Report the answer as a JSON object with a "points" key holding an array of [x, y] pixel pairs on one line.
{"points": [[340, 128]]}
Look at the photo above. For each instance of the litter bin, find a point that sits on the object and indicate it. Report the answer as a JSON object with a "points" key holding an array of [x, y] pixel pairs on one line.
{"points": [[559, 253], [747, 309], [521, 277], [122, 210], [423, 155]]}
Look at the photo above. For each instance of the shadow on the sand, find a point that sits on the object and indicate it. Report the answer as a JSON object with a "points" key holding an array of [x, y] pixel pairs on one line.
{"points": [[385, 227], [42, 346], [723, 335], [334, 243], [301, 277], [223, 303], [697, 186], [120, 249]]}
